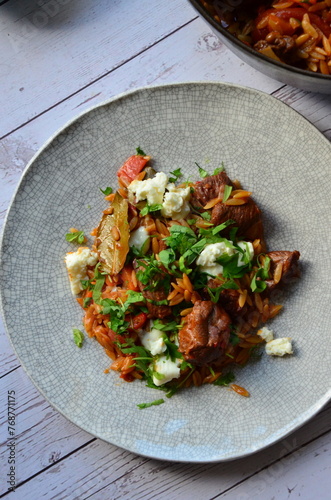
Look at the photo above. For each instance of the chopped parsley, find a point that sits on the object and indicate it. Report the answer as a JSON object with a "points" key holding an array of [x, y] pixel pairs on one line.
{"points": [[78, 337], [151, 275], [202, 172], [99, 280], [76, 237], [225, 379], [140, 152], [181, 238], [177, 174], [219, 169], [172, 351], [234, 339], [150, 208], [214, 293], [227, 192], [117, 311], [170, 326], [206, 215], [86, 302], [157, 402], [258, 283], [85, 284], [106, 191], [167, 257]]}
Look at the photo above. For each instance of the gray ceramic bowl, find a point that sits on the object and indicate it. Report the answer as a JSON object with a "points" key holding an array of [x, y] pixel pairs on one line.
{"points": [[273, 151], [305, 80]]}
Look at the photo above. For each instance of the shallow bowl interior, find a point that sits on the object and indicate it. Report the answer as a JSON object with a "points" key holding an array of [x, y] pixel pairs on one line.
{"points": [[278, 155]]}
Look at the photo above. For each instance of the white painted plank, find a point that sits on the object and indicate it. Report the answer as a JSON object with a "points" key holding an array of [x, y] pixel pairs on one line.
{"points": [[51, 51], [315, 107], [8, 359], [43, 436], [305, 474], [191, 54], [98, 472]]}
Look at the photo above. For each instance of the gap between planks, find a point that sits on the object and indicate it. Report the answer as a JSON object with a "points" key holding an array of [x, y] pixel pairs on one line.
{"points": [[49, 466], [295, 450], [100, 77]]}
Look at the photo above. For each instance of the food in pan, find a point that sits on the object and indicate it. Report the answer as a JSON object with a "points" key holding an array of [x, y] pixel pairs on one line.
{"points": [[295, 32]]}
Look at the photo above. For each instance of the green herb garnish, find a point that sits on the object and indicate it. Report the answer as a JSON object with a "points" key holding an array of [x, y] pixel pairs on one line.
{"points": [[167, 257], [258, 283], [85, 284], [219, 169], [177, 174], [87, 302], [214, 293], [78, 337], [171, 326], [76, 237], [157, 402], [206, 215], [202, 172], [150, 208], [106, 191], [140, 152], [118, 311], [227, 192], [225, 379]]}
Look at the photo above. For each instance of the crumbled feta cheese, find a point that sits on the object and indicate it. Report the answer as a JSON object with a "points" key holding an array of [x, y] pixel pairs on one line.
{"points": [[175, 204], [138, 237], [248, 248], [151, 190], [266, 334], [208, 256], [167, 369], [279, 347], [153, 341], [76, 263]]}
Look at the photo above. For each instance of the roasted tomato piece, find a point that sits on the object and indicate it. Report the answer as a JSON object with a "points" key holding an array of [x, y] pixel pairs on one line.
{"points": [[132, 167], [139, 321]]}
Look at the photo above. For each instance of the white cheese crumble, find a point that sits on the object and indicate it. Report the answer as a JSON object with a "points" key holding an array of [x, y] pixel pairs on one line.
{"points": [[208, 256], [138, 237], [76, 263], [151, 190], [153, 341], [175, 204], [266, 334], [279, 347], [167, 369]]}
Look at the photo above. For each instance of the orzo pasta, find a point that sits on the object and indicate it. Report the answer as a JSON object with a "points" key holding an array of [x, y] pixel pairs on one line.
{"points": [[178, 279], [295, 32]]}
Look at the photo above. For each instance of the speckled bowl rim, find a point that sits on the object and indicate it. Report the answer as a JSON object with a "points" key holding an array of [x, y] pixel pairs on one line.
{"points": [[304, 417]]}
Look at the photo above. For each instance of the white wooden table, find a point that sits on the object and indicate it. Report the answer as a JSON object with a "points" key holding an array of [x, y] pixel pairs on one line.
{"points": [[57, 58]]}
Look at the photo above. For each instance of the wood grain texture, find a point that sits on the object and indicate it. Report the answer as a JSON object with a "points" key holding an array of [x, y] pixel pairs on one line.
{"points": [[51, 53], [54, 65], [104, 471], [190, 54], [8, 359], [315, 107], [44, 436]]}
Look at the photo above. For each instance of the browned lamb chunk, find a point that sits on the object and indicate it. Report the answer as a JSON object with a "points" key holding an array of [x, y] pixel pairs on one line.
{"points": [[206, 333]]}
